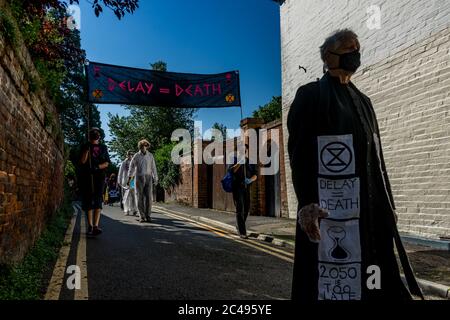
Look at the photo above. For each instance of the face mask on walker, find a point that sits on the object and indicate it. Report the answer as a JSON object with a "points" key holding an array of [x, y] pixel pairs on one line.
{"points": [[349, 61]]}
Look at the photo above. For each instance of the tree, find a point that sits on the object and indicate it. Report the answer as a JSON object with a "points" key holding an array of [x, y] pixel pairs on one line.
{"points": [[57, 55], [120, 8], [270, 111], [168, 172], [221, 128]]}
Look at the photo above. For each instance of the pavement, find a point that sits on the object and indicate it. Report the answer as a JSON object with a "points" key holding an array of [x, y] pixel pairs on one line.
{"points": [[431, 265]]}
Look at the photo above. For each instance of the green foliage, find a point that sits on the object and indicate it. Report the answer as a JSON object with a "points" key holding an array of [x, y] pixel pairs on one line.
{"points": [[69, 169], [159, 66], [49, 120], [58, 58], [24, 281], [8, 28], [33, 83], [221, 128], [270, 111], [168, 172], [118, 7]]}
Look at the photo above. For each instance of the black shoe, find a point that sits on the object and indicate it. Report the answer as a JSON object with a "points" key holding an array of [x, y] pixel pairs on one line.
{"points": [[89, 231], [149, 220], [142, 220], [96, 231]]}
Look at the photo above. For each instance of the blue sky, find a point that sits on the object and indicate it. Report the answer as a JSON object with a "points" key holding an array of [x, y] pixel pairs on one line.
{"points": [[194, 36]]}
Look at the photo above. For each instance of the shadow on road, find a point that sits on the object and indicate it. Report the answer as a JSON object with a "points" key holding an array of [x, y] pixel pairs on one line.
{"points": [[170, 259]]}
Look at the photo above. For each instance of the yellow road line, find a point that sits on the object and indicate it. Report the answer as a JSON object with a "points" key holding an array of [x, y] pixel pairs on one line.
{"points": [[83, 292], [225, 234], [57, 279]]}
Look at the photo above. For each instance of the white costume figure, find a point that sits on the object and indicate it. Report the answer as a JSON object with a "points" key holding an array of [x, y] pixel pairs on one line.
{"points": [[128, 193], [143, 168]]}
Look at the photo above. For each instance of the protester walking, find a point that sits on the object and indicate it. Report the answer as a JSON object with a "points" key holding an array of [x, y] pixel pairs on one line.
{"points": [[93, 161], [143, 170], [129, 201], [244, 174]]}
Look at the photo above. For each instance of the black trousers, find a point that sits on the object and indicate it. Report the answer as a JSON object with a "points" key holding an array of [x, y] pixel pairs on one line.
{"points": [[92, 199], [241, 197]]}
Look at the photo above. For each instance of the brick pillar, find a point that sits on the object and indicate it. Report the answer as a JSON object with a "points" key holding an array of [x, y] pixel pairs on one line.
{"points": [[257, 204], [200, 182]]}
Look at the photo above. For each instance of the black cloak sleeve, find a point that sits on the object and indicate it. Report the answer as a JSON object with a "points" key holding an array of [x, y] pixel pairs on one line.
{"points": [[302, 143]]}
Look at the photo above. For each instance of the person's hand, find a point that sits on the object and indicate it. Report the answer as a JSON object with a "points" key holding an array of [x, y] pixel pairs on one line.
{"points": [[308, 217], [248, 181]]}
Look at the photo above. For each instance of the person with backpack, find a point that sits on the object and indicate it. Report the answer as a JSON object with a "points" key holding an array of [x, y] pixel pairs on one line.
{"points": [[112, 190], [243, 174], [346, 220]]}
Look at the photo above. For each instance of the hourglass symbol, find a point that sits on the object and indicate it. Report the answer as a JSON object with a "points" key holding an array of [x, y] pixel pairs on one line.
{"points": [[338, 252]]}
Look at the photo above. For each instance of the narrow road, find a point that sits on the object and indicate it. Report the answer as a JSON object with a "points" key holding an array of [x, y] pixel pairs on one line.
{"points": [[172, 259]]}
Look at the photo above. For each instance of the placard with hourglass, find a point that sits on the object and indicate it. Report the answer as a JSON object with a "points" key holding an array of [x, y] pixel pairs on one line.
{"points": [[339, 260], [339, 252]]}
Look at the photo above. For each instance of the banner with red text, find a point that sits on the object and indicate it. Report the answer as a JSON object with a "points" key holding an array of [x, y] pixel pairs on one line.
{"points": [[123, 85]]}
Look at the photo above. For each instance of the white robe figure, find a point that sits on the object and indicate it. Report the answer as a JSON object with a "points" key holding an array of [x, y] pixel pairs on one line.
{"points": [[143, 168], [128, 193]]}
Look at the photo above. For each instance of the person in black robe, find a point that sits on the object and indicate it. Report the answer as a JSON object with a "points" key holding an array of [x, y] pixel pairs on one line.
{"points": [[94, 160], [346, 214]]}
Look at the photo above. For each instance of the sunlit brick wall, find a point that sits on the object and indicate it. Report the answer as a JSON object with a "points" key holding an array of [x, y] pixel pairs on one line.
{"points": [[406, 73], [31, 158]]}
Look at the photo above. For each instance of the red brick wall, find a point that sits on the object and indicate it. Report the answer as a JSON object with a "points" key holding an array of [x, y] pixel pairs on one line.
{"points": [[221, 200], [31, 158], [200, 186], [258, 194], [183, 191], [196, 192]]}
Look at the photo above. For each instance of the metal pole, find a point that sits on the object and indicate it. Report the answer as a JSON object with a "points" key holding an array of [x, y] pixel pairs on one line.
{"points": [[89, 150], [88, 125]]}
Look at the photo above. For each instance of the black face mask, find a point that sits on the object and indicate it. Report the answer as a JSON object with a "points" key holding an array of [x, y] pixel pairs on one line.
{"points": [[94, 136], [349, 61]]}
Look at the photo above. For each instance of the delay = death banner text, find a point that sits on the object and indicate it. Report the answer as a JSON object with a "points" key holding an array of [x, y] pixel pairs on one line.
{"points": [[123, 85]]}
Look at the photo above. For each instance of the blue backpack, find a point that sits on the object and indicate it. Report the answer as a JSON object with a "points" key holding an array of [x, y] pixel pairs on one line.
{"points": [[227, 182]]}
